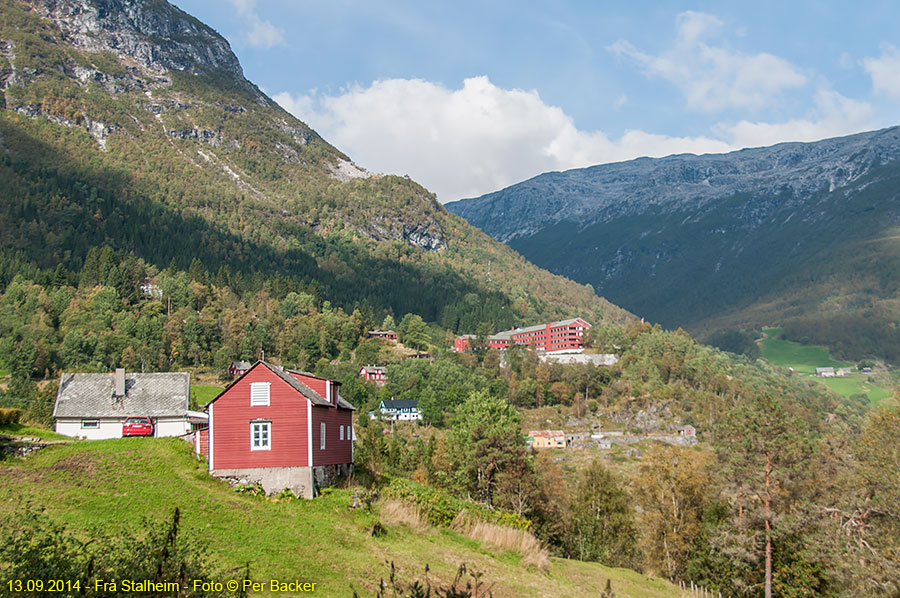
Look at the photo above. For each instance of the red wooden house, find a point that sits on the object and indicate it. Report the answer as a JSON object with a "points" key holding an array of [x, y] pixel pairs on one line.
{"points": [[280, 428], [373, 373]]}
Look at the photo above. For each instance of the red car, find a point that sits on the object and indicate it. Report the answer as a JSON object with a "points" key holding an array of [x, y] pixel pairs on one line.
{"points": [[137, 426]]}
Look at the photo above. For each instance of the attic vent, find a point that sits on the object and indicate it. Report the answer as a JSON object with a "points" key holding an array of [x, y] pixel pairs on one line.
{"points": [[259, 394]]}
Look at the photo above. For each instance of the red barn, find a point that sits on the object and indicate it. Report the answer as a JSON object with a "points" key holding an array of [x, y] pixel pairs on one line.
{"points": [[282, 429]]}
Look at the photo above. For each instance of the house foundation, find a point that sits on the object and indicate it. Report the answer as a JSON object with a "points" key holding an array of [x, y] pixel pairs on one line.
{"points": [[302, 481]]}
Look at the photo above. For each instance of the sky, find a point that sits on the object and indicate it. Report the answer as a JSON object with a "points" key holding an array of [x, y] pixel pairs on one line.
{"points": [[470, 97]]}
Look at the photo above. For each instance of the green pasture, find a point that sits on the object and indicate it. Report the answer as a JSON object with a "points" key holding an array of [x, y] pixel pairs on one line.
{"points": [[806, 358], [202, 394]]}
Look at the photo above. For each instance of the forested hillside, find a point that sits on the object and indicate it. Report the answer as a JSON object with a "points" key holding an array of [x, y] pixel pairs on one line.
{"points": [[160, 213], [802, 235], [114, 134]]}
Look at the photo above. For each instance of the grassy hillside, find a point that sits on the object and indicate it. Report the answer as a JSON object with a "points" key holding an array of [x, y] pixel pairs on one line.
{"points": [[115, 484], [806, 358]]}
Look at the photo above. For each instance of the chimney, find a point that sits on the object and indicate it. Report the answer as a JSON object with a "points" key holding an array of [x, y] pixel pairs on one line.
{"points": [[120, 382]]}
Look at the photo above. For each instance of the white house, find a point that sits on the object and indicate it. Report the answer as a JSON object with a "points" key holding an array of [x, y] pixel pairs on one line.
{"points": [[95, 406], [400, 410]]}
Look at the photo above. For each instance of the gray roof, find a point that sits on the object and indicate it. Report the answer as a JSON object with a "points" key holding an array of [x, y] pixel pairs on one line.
{"points": [[400, 404], [241, 365], [314, 397], [306, 391], [374, 369], [154, 395]]}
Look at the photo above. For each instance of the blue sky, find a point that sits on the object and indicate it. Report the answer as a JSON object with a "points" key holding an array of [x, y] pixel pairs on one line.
{"points": [[469, 97]]}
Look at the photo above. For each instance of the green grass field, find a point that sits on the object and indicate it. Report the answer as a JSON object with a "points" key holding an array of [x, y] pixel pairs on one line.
{"points": [[202, 394], [803, 358], [806, 358], [18, 430], [115, 484]]}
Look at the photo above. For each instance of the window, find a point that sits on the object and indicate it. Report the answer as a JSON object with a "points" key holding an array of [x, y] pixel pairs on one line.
{"points": [[90, 424], [341, 428], [349, 433], [260, 436], [259, 394], [322, 436]]}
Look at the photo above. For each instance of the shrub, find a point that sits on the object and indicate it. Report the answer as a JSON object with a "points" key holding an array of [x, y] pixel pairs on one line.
{"points": [[10, 416], [33, 547], [505, 538], [394, 512]]}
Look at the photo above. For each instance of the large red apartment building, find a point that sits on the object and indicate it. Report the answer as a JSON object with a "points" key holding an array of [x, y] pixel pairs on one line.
{"points": [[566, 335]]}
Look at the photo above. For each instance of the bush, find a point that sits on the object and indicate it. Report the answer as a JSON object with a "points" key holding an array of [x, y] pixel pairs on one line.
{"points": [[33, 547], [440, 508], [10, 416]]}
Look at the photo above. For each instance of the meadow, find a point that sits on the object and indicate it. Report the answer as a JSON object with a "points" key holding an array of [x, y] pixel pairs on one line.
{"points": [[121, 485], [804, 359]]}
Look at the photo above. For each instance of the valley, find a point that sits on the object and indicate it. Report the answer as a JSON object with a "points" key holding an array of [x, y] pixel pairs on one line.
{"points": [[229, 352]]}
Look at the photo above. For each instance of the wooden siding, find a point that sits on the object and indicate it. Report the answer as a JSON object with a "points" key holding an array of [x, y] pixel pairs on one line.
{"points": [[336, 450], [233, 414], [203, 441]]}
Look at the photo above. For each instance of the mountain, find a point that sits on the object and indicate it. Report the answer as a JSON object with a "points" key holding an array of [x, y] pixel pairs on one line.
{"points": [[129, 124], [804, 235]]}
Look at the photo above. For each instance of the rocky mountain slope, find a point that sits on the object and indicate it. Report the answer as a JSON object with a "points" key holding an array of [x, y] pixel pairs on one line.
{"points": [[129, 123], [799, 233]]}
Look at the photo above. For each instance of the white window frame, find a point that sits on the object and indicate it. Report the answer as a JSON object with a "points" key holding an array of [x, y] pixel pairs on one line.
{"points": [[321, 436], [90, 424], [263, 425], [260, 394], [341, 428]]}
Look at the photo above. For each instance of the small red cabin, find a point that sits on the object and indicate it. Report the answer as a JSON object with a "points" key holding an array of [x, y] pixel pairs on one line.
{"points": [[373, 373], [281, 429]]}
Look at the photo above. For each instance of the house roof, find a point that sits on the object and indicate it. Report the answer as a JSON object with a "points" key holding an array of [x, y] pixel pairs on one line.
{"points": [[154, 395], [314, 397], [400, 404], [241, 365], [824, 370]]}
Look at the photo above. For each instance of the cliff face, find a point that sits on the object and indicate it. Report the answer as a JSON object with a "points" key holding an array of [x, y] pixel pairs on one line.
{"points": [[680, 184], [152, 34]]}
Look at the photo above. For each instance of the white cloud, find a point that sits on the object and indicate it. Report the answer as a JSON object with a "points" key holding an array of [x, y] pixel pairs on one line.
{"points": [[260, 32], [885, 71], [714, 78], [468, 141], [480, 138], [834, 115]]}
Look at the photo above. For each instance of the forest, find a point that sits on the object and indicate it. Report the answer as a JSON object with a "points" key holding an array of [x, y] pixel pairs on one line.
{"points": [[789, 478]]}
